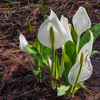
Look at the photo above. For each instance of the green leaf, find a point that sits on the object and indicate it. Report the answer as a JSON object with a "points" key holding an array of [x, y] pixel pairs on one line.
{"points": [[93, 52], [36, 72], [62, 90], [66, 58], [34, 52], [70, 50], [73, 34], [45, 51], [37, 45], [28, 47], [67, 66], [37, 55], [29, 24], [86, 37], [36, 62]]}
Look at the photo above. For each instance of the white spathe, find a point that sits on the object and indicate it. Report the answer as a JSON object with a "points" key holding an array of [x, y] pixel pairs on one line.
{"points": [[64, 22], [87, 69], [59, 32], [87, 46], [23, 42], [81, 21]]}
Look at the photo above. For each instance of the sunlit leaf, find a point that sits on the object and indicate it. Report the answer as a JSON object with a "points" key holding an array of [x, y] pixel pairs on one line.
{"points": [[62, 90]]}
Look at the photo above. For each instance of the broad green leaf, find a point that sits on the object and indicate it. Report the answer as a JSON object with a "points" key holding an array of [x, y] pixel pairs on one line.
{"points": [[37, 45], [37, 55], [36, 62], [34, 52], [67, 66], [86, 37], [93, 52], [66, 58], [73, 34], [62, 90], [45, 51], [36, 72], [70, 50], [28, 47]]}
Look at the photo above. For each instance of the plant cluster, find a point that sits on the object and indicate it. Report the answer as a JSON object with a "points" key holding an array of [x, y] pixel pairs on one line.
{"points": [[75, 64]]}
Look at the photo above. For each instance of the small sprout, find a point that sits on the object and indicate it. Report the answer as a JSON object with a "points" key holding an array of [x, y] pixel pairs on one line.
{"points": [[30, 26]]}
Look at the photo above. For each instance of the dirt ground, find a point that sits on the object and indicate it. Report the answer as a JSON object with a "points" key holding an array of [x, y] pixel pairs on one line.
{"points": [[16, 79]]}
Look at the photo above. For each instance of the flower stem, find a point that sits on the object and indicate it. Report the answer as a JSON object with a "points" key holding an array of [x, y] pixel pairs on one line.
{"points": [[76, 81], [31, 66], [39, 68], [53, 61]]}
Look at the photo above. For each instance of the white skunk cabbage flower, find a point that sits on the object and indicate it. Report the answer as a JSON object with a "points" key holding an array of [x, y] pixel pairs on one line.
{"points": [[87, 69], [87, 46], [59, 32], [64, 22], [81, 21], [23, 42]]}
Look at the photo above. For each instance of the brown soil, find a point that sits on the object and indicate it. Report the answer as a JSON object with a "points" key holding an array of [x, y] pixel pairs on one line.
{"points": [[16, 79]]}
